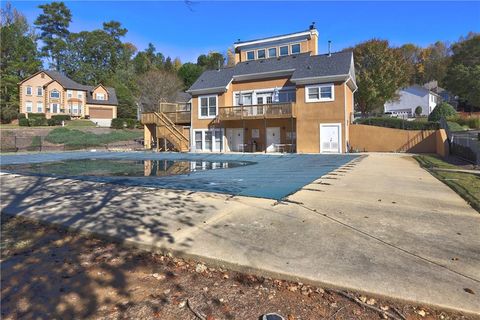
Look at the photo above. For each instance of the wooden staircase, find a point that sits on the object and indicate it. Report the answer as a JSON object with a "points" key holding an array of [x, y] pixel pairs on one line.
{"points": [[166, 129]]}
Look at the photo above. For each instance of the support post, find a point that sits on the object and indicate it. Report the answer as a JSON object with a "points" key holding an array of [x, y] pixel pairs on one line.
{"points": [[291, 134], [265, 132], [147, 137]]}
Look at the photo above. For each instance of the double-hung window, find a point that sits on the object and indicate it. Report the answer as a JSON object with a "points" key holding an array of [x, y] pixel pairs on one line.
{"points": [[250, 55], [39, 107], [28, 106], [39, 91], [272, 52], [69, 93], [29, 91], [207, 107], [99, 96], [319, 93], [79, 95], [284, 51]]}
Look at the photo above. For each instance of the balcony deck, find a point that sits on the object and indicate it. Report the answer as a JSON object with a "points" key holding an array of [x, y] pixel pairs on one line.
{"points": [[177, 113], [259, 111]]}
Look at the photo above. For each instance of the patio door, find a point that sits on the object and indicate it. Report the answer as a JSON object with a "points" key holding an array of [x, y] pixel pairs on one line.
{"points": [[235, 139], [273, 138], [330, 138], [262, 98]]}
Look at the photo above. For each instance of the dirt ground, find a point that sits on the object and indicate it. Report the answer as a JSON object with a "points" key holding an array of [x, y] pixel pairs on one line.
{"points": [[50, 273]]}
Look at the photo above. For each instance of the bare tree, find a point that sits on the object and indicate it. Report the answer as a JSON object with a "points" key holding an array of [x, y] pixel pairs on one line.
{"points": [[157, 86]]}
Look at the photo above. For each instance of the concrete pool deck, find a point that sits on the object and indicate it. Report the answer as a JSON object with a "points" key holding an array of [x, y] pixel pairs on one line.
{"points": [[380, 225]]}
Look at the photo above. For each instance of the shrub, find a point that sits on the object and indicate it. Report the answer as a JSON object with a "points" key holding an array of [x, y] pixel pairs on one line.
{"points": [[418, 111], [23, 122], [120, 123], [443, 110], [32, 115], [21, 116], [398, 123], [57, 119], [51, 122], [37, 122]]}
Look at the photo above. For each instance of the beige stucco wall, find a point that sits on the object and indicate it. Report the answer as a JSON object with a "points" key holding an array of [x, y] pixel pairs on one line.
{"points": [[100, 89], [37, 81]]}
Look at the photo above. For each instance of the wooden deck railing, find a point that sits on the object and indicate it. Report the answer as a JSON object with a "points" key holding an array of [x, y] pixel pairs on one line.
{"points": [[259, 111], [178, 113]]}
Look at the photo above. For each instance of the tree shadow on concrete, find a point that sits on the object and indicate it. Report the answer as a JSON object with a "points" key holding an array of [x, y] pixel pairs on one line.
{"points": [[44, 279]]}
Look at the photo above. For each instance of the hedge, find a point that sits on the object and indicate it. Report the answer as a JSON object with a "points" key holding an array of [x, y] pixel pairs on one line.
{"points": [[398, 123], [21, 116], [32, 115], [37, 122], [57, 119], [121, 123], [23, 122]]}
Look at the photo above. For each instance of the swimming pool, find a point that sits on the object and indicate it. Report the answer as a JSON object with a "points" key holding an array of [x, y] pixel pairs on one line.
{"points": [[120, 167], [266, 176]]}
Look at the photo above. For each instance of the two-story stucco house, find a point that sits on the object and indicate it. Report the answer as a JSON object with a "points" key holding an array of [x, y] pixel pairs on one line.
{"points": [[409, 99], [280, 96], [51, 92]]}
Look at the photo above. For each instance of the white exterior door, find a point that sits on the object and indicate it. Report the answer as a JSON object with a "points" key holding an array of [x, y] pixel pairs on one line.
{"points": [[235, 139], [330, 138], [273, 138]]}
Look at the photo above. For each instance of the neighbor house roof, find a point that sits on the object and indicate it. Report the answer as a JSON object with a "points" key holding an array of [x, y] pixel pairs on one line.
{"points": [[303, 68], [65, 81], [183, 97], [112, 96]]}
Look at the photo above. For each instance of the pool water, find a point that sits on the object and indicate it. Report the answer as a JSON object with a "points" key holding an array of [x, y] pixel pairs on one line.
{"points": [[120, 167]]}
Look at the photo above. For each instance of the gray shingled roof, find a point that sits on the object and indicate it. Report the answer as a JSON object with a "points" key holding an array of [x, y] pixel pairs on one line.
{"points": [[68, 83], [183, 97], [301, 65]]}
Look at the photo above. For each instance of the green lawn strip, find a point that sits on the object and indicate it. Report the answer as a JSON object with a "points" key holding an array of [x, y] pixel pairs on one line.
{"points": [[466, 185], [453, 126], [80, 123], [77, 139]]}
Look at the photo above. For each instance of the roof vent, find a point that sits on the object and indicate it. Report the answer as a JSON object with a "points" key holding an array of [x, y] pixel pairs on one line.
{"points": [[312, 26]]}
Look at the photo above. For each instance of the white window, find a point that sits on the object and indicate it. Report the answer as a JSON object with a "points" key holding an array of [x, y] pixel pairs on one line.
{"points": [[39, 91], [250, 55], [29, 91], [54, 108], [207, 107], [74, 108], [319, 93], [286, 96], [208, 140], [54, 94], [28, 106], [295, 48], [79, 95], [246, 99], [272, 52], [39, 107], [261, 54], [100, 96], [284, 50], [69, 93]]}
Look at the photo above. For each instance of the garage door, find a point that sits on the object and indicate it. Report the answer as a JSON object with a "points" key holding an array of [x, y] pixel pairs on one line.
{"points": [[330, 140], [101, 113]]}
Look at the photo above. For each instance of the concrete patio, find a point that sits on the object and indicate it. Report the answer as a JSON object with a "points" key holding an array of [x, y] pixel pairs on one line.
{"points": [[379, 224]]}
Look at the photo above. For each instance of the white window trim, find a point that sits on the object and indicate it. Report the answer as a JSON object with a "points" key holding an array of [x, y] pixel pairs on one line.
{"points": [[208, 107], [292, 44], [41, 90], [51, 107], [256, 91], [276, 50], [246, 55], [283, 55], [69, 94], [320, 99], [26, 91], [203, 131], [262, 49], [101, 95], [55, 90], [41, 104], [80, 95], [26, 106]]}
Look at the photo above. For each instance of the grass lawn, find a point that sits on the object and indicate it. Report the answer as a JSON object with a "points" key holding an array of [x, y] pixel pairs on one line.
{"points": [[80, 123], [74, 139], [465, 184]]}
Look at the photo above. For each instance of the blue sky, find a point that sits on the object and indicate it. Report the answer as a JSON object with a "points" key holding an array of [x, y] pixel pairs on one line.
{"points": [[179, 31]]}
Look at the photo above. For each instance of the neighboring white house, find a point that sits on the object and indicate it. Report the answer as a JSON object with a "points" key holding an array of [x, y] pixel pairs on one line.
{"points": [[410, 98]]}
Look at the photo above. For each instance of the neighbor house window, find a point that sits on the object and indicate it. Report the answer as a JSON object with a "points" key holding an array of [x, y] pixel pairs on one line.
{"points": [[284, 50], [250, 55], [54, 108], [272, 52], [79, 95], [54, 94], [39, 107], [28, 106], [100, 96], [295, 48], [39, 91], [29, 91], [261, 54], [69, 93], [319, 93], [208, 107]]}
